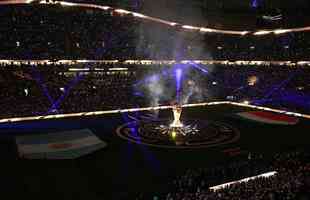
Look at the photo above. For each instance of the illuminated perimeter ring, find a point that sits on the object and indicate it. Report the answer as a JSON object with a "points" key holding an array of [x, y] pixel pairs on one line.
{"points": [[204, 134]]}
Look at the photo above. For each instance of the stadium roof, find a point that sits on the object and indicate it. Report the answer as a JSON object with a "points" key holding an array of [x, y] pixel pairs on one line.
{"points": [[232, 15], [237, 5]]}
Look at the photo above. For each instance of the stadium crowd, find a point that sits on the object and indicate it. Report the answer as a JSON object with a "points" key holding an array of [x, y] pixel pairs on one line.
{"points": [[52, 92], [74, 33], [280, 87], [290, 182], [56, 89], [78, 33]]}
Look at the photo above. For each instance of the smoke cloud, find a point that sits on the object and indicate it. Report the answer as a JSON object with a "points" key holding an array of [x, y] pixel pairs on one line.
{"points": [[180, 84]]}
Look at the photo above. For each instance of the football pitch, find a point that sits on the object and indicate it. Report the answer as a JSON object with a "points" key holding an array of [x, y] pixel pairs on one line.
{"points": [[126, 168]]}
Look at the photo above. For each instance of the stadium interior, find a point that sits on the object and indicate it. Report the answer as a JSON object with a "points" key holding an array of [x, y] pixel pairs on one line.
{"points": [[165, 100]]}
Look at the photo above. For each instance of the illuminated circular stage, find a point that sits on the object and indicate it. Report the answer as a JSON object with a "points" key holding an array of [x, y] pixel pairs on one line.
{"points": [[195, 133]]}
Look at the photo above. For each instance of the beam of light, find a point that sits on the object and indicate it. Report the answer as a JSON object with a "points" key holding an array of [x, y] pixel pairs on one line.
{"points": [[254, 3], [166, 22], [128, 149], [133, 126], [225, 185], [38, 78], [139, 94], [277, 87], [202, 69], [39, 81], [178, 75], [68, 88], [300, 100], [58, 102], [147, 154]]}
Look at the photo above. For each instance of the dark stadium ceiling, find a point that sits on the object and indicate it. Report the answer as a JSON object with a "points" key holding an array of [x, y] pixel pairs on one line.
{"points": [[221, 14], [231, 14], [208, 5]]}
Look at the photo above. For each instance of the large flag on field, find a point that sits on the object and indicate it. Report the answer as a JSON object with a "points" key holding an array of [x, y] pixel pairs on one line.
{"points": [[60, 145], [269, 117]]}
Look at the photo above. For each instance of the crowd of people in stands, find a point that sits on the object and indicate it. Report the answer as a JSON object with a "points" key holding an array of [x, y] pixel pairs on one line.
{"points": [[78, 33], [52, 92], [281, 87], [74, 33], [290, 182], [56, 89]]}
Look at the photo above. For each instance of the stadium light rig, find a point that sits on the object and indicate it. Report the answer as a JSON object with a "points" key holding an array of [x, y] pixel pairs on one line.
{"points": [[158, 62], [246, 102], [245, 180], [262, 32], [95, 113]]}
